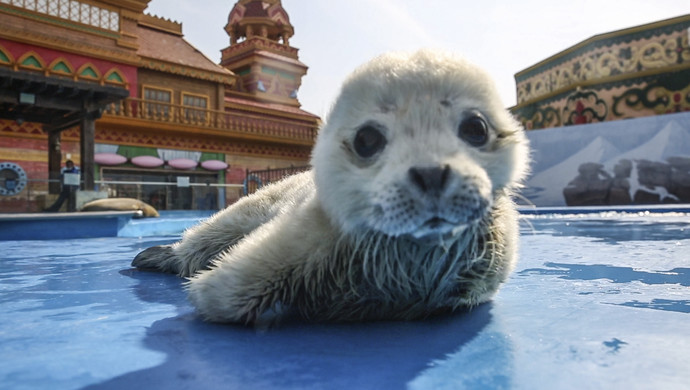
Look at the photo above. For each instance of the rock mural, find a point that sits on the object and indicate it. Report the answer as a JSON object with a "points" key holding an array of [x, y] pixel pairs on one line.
{"points": [[635, 161], [656, 183]]}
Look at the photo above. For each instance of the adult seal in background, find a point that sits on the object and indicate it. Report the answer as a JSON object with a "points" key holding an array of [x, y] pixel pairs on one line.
{"points": [[406, 213], [121, 204]]}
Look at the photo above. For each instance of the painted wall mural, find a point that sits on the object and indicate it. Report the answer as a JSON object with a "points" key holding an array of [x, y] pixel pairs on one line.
{"points": [[636, 161]]}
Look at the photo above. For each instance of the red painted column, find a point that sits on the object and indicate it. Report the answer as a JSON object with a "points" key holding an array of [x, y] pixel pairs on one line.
{"points": [[88, 131], [54, 162]]}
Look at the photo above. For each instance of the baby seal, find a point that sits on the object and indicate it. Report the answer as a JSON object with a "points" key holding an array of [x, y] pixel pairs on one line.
{"points": [[121, 204], [406, 213]]}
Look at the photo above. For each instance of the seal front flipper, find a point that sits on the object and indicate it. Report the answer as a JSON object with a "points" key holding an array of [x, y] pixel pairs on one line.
{"points": [[160, 258]]}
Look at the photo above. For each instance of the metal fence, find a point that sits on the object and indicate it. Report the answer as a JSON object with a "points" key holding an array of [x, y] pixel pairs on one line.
{"points": [[174, 191], [257, 179], [171, 190]]}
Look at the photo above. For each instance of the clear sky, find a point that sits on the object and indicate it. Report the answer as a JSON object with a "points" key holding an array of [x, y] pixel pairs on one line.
{"points": [[503, 36]]}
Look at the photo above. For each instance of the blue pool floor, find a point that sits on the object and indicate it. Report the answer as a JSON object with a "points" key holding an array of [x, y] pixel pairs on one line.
{"points": [[596, 302]]}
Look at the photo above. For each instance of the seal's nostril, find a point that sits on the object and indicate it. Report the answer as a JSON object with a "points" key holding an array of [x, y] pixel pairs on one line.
{"points": [[417, 178], [445, 175], [430, 179]]}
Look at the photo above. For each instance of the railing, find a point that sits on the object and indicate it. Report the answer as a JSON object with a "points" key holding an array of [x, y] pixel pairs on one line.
{"points": [[238, 123], [172, 195], [200, 193], [257, 179], [262, 43]]}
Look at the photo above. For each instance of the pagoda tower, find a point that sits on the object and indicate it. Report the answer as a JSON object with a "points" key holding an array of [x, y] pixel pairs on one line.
{"points": [[260, 54]]}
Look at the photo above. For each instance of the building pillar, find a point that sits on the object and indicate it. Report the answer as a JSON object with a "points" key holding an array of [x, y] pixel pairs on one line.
{"points": [[54, 162], [88, 133]]}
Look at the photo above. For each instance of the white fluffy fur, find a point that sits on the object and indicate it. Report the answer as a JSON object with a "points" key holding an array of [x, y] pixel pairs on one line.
{"points": [[351, 240]]}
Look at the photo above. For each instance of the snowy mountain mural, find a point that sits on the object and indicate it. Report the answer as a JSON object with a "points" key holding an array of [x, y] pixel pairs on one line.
{"points": [[635, 161]]}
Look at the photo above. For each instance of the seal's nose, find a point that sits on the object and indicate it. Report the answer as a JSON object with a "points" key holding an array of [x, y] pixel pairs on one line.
{"points": [[430, 179]]}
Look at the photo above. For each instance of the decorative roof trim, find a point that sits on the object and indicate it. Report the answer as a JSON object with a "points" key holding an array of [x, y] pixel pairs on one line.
{"points": [[161, 24], [52, 68], [188, 71], [133, 5], [40, 62], [246, 102], [604, 40], [89, 71], [114, 76], [7, 57]]}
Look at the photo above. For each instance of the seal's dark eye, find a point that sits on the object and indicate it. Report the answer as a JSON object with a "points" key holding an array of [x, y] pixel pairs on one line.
{"points": [[474, 130], [368, 141]]}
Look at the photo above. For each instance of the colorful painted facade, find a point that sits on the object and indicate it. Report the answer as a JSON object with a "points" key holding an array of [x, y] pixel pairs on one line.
{"points": [[636, 72], [205, 121]]}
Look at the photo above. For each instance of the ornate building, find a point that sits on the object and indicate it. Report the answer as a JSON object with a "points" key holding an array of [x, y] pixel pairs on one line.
{"points": [[641, 74], [122, 94], [635, 72]]}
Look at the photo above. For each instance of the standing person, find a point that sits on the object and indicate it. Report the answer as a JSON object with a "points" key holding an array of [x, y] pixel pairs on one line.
{"points": [[69, 177]]}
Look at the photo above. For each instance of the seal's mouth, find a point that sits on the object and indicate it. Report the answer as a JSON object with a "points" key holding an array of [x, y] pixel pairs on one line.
{"points": [[437, 226], [436, 222]]}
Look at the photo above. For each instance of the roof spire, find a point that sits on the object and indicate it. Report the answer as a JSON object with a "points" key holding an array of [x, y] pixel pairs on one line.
{"points": [[260, 54], [259, 18]]}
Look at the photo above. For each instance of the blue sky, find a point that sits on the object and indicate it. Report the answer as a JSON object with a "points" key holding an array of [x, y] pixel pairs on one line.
{"points": [[502, 36]]}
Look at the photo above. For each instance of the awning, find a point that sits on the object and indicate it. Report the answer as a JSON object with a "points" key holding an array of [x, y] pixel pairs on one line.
{"points": [[57, 102]]}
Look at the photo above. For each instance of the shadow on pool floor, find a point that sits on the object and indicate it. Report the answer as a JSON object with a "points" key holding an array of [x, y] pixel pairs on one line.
{"points": [[295, 355]]}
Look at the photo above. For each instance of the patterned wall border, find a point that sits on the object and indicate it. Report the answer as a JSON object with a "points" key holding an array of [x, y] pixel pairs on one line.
{"points": [[31, 60], [165, 141], [615, 55], [82, 48], [212, 145], [651, 95]]}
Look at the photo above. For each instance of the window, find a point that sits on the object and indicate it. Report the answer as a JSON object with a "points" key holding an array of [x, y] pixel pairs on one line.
{"points": [[157, 111], [198, 115]]}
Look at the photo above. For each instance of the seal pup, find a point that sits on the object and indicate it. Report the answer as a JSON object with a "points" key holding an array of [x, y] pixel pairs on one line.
{"points": [[121, 204], [405, 214]]}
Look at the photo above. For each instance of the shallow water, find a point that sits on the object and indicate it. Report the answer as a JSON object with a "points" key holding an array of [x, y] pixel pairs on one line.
{"points": [[596, 301]]}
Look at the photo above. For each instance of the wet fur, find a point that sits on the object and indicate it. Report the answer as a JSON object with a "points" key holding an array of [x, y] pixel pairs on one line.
{"points": [[315, 243]]}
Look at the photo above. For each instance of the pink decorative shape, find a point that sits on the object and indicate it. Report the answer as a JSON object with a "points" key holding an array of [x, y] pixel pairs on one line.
{"points": [[182, 163], [109, 159], [147, 161], [214, 165]]}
